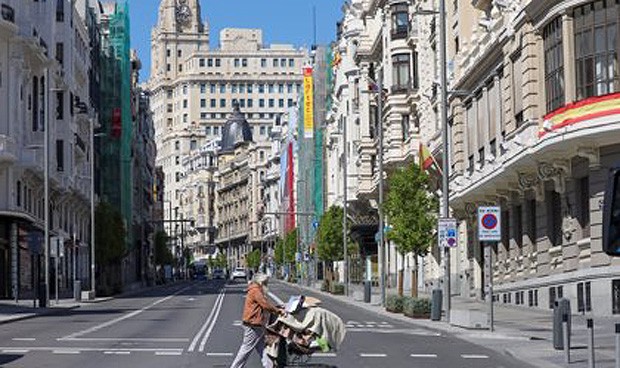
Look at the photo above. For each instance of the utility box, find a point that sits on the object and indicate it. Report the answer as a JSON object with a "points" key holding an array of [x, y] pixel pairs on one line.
{"points": [[367, 291], [561, 312], [436, 304], [77, 290]]}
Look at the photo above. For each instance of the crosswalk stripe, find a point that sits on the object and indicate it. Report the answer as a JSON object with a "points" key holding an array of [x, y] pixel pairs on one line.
{"points": [[423, 355], [474, 356], [220, 354], [367, 355]]}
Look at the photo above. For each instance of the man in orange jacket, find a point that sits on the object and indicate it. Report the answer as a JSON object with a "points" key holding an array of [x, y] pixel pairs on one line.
{"points": [[254, 319]]}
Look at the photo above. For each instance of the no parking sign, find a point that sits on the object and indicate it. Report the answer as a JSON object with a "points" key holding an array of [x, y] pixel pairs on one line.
{"points": [[489, 224]]}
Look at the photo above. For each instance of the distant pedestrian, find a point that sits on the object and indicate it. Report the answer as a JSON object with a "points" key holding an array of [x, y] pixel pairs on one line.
{"points": [[255, 318]]}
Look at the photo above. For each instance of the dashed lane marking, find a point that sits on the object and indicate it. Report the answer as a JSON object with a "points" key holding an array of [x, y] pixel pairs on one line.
{"points": [[117, 352], [423, 355], [15, 351], [24, 339], [372, 355], [474, 356], [220, 354], [169, 353], [325, 355], [66, 352], [106, 339]]}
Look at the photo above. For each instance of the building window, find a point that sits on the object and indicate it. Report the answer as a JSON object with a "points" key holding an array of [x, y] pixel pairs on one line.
{"points": [[584, 297], [237, 63], [554, 64], [216, 130], [505, 229], [554, 217], [289, 88], [272, 102], [283, 63], [218, 63], [208, 130], [180, 67], [261, 88], [177, 160], [179, 53], [169, 93], [405, 126], [201, 63], [583, 187], [289, 102], [60, 105], [242, 102], [400, 20], [244, 63], [280, 88], [184, 89], [213, 102], [275, 63], [532, 298], [60, 53], [531, 220], [281, 102], [517, 88], [263, 63], [193, 144], [555, 293], [203, 116], [401, 73], [19, 193], [233, 88], [60, 10], [185, 118], [222, 102], [60, 155], [291, 63], [203, 103], [210, 63], [615, 296], [185, 103], [518, 213], [168, 53], [261, 102], [242, 88], [177, 145], [596, 48], [250, 103], [271, 88], [222, 88], [262, 130], [212, 88]]}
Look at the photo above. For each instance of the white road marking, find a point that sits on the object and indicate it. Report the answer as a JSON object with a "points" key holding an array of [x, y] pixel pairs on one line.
{"points": [[15, 351], [325, 355], [474, 356], [275, 298], [423, 355], [368, 355], [213, 322], [122, 318], [220, 354], [175, 353], [77, 350], [385, 326], [117, 352], [398, 331], [192, 346], [24, 339], [68, 352], [106, 339]]}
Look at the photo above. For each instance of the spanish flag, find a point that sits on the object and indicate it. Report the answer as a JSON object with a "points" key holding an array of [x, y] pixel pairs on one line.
{"points": [[427, 160]]}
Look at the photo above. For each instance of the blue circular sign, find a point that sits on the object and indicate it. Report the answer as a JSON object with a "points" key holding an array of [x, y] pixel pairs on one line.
{"points": [[489, 221]]}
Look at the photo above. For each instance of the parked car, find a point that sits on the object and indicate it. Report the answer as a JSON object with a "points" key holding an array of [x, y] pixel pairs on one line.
{"points": [[217, 274], [239, 273]]}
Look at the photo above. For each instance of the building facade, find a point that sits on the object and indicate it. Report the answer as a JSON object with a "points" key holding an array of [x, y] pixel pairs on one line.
{"points": [[535, 131], [44, 88], [193, 87], [388, 43]]}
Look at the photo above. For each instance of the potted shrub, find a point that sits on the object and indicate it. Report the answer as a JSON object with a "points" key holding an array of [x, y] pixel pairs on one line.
{"points": [[417, 307], [394, 303], [337, 289]]}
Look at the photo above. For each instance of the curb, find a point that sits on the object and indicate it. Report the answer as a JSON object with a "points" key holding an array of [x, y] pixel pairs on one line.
{"points": [[49, 312]]}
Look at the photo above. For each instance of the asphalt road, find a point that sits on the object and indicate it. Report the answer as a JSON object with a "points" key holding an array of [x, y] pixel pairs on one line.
{"points": [[197, 325]]}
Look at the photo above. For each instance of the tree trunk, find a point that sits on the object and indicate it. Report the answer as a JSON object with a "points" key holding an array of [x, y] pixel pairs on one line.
{"points": [[414, 277], [401, 274]]}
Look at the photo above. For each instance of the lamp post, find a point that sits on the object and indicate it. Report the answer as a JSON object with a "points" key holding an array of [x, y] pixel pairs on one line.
{"points": [[46, 184], [345, 208]]}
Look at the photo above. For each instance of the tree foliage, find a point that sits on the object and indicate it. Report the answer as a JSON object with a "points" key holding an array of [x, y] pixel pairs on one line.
{"points": [[329, 235], [220, 261], [253, 259], [109, 235], [163, 255], [285, 249], [411, 210]]}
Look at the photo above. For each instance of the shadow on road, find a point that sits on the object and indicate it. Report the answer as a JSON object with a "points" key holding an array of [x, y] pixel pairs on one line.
{"points": [[9, 358]]}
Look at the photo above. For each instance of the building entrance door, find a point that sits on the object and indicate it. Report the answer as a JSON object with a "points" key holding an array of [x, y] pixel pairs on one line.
{"points": [[4, 273]]}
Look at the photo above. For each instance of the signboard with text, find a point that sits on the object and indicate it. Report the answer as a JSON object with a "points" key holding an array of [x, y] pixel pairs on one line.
{"points": [[447, 233], [308, 103], [489, 224]]}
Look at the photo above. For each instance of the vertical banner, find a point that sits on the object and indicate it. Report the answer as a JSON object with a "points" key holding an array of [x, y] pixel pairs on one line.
{"points": [[308, 103]]}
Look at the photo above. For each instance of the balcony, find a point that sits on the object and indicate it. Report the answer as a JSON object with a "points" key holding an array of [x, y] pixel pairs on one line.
{"points": [[8, 150]]}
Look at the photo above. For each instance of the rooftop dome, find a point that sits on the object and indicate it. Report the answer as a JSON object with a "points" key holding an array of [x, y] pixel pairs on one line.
{"points": [[236, 131]]}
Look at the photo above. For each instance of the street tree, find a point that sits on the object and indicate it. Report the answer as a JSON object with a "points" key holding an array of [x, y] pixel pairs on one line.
{"points": [[253, 260], [110, 239], [329, 239], [285, 249], [163, 255], [411, 209]]}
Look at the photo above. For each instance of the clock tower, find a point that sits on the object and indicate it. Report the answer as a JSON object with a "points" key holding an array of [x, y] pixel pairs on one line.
{"points": [[179, 32]]}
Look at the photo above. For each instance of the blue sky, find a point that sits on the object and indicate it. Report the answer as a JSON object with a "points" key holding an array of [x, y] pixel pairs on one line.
{"points": [[282, 21]]}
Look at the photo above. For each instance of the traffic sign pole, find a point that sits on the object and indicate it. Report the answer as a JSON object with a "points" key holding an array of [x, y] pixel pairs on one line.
{"points": [[489, 258], [489, 231]]}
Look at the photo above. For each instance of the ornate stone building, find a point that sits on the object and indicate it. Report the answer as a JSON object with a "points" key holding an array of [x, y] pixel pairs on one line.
{"points": [[535, 130], [193, 87]]}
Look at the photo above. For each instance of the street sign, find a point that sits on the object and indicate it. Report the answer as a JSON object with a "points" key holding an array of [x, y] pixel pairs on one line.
{"points": [[447, 232], [489, 224], [315, 224]]}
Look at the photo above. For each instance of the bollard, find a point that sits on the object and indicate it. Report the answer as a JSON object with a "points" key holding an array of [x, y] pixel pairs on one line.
{"points": [[565, 336], [617, 345], [590, 323]]}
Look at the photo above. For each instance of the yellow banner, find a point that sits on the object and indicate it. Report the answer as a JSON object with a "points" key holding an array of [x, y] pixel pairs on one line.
{"points": [[308, 103]]}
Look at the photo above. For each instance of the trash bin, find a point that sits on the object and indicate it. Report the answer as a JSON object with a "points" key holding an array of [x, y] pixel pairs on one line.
{"points": [[561, 308], [367, 291], [77, 290], [42, 299], [436, 304]]}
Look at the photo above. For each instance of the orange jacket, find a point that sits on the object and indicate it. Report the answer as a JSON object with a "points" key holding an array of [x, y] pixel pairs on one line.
{"points": [[255, 306]]}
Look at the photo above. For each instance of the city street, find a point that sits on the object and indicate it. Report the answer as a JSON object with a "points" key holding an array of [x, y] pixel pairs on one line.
{"points": [[197, 325]]}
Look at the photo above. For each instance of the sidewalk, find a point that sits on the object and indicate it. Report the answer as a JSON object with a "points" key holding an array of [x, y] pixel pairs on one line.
{"points": [[523, 333]]}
